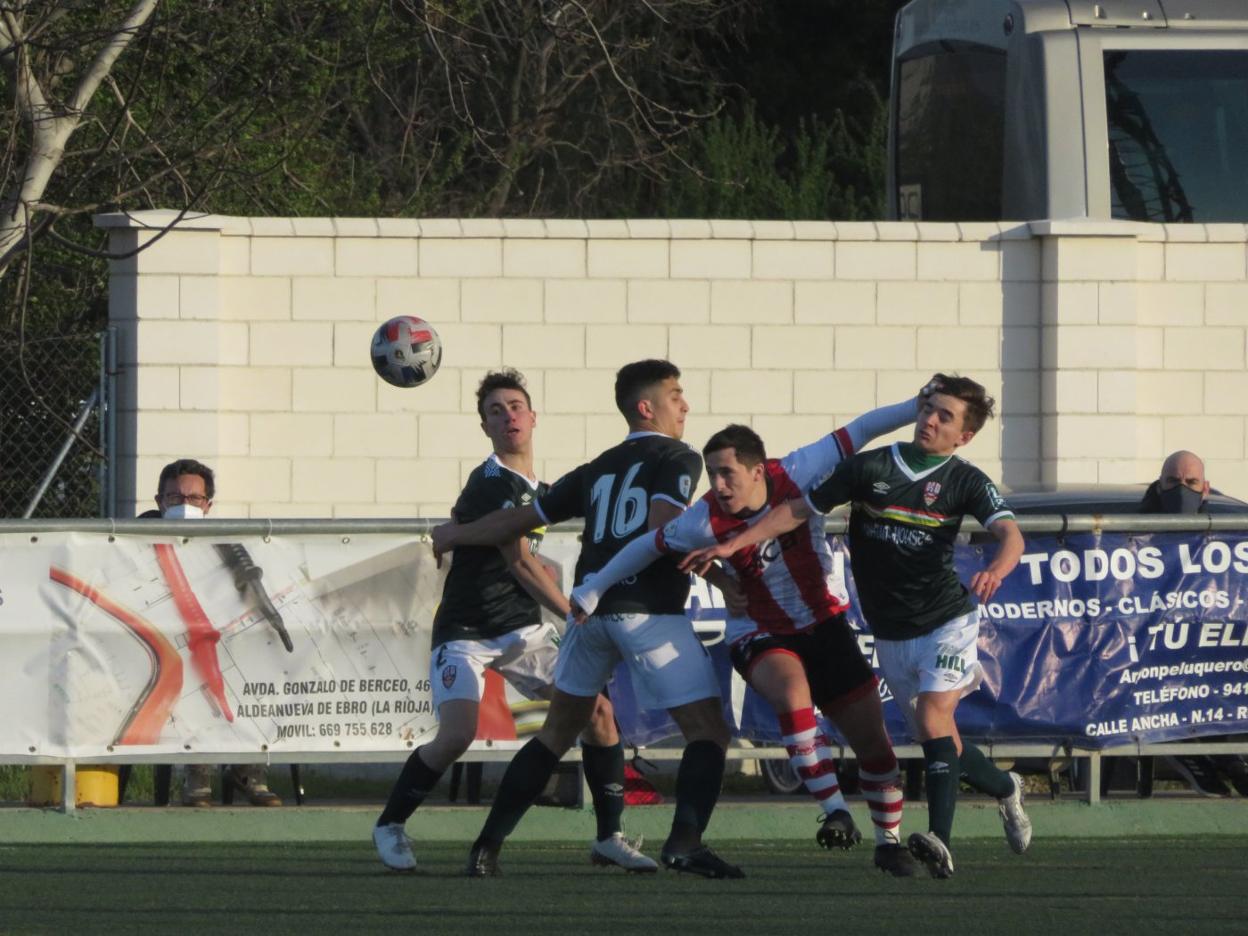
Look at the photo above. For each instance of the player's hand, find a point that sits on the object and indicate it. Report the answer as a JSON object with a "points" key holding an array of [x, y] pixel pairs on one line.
{"points": [[985, 584], [734, 599], [576, 614], [444, 540], [935, 385], [699, 560]]}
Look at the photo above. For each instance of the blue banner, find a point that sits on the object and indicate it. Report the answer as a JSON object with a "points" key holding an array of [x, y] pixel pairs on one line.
{"points": [[1095, 639]]}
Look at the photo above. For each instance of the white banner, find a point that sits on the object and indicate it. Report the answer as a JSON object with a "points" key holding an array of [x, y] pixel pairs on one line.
{"points": [[147, 645]]}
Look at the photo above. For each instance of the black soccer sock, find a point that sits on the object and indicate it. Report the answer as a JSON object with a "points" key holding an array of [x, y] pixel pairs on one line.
{"points": [[941, 772], [522, 783], [604, 772], [983, 774], [409, 791], [698, 781]]}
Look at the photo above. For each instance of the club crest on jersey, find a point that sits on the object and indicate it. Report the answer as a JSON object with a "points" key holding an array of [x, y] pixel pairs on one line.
{"points": [[448, 676], [931, 491]]}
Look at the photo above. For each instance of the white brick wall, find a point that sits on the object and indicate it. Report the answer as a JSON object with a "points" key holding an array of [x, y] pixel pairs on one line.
{"points": [[244, 343]]}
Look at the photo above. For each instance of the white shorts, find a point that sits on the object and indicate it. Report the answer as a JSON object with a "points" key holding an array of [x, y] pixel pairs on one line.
{"points": [[526, 657], [668, 664], [945, 660]]}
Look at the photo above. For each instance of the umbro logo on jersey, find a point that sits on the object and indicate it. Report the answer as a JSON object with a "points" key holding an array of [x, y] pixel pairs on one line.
{"points": [[880, 487], [526, 498], [930, 492]]}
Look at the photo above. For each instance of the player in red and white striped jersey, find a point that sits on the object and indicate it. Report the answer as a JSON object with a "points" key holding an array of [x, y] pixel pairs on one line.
{"points": [[794, 646]]}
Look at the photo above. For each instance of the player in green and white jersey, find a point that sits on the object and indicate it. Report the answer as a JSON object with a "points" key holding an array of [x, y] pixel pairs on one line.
{"points": [[908, 502]]}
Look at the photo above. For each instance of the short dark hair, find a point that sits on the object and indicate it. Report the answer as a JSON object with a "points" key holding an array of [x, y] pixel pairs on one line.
{"points": [[979, 405], [748, 444], [186, 466], [506, 379], [633, 380]]}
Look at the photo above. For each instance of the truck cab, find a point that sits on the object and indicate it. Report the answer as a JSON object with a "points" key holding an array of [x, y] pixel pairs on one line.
{"points": [[1030, 109]]}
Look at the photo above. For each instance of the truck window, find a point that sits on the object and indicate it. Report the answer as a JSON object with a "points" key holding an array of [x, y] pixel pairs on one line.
{"points": [[950, 132], [1177, 135]]}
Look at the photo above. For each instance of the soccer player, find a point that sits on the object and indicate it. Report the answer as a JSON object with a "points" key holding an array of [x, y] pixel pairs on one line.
{"points": [[908, 502], [490, 617], [792, 645], [639, 485]]}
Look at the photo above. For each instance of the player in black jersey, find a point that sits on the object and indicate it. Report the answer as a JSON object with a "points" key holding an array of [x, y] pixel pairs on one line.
{"points": [[908, 502], [489, 616], [634, 487]]}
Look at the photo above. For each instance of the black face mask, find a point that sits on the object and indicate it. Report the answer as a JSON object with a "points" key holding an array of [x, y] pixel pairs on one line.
{"points": [[1180, 499]]}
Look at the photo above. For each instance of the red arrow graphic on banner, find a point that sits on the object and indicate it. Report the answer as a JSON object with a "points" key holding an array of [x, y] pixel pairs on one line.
{"points": [[202, 637], [151, 710]]}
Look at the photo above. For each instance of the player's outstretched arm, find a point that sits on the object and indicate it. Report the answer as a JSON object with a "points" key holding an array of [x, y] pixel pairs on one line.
{"points": [[887, 419], [628, 561], [985, 583], [528, 570], [494, 529], [788, 516]]}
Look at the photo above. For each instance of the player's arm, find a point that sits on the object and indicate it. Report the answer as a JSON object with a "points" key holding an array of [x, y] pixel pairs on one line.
{"points": [[628, 561], [985, 583], [780, 520], [532, 576], [734, 599], [505, 525]]}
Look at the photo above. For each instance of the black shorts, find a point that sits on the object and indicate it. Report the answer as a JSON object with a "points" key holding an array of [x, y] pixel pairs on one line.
{"points": [[835, 667]]}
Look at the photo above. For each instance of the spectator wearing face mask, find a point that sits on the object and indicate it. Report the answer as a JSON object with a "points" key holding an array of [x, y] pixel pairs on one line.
{"points": [[1183, 489], [184, 492]]}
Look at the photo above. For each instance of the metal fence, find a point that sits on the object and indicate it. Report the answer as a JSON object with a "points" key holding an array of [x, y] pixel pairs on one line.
{"points": [[56, 398]]}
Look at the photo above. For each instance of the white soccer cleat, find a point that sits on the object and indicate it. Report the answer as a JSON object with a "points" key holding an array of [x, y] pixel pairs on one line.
{"points": [[393, 847], [933, 853], [1017, 825], [621, 853]]}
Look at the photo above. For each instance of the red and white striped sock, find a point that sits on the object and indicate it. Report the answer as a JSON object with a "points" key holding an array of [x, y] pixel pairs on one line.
{"points": [[881, 788], [812, 758]]}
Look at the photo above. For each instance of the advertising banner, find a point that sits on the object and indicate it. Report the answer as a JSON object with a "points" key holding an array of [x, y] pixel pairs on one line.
{"points": [[148, 645]]}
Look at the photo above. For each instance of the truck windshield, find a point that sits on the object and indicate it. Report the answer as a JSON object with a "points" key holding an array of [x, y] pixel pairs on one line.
{"points": [[1178, 135]]}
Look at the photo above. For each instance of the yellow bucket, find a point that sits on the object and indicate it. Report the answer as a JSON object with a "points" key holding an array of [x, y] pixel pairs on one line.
{"points": [[96, 785]]}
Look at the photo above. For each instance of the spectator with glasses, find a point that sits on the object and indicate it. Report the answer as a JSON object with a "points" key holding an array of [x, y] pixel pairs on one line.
{"points": [[184, 492]]}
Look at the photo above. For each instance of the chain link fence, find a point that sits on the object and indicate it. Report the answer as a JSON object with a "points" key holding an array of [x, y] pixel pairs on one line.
{"points": [[45, 387]]}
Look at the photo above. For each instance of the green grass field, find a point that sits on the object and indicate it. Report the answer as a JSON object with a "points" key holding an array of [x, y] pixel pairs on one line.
{"points": [[1065, 886]]}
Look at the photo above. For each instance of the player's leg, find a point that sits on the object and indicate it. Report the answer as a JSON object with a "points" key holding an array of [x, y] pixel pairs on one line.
{"points": [[847, 691], [457, 676], [586, 659], [777, 674]]}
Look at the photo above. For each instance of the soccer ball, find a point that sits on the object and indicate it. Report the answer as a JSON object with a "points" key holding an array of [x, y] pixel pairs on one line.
{"points": [[406, 351]]}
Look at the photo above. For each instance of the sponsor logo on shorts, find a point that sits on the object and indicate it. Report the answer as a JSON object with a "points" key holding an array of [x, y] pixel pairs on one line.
{"points": [[931, 491], [953, 664], [448, 676]]}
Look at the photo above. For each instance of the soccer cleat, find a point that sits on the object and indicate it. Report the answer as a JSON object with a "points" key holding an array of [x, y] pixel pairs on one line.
{"points": [[483, 860], [1017, 825], [934, 853], [838, 831], [393, 847], [1201, 774], [895, 860], [619, 852], [701, 861]]}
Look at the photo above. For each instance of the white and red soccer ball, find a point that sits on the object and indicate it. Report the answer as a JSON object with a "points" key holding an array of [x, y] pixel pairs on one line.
{"points": [[406, 351]]}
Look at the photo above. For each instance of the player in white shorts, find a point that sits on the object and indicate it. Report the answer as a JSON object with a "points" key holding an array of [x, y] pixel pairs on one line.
{"points": [[489, 617]]}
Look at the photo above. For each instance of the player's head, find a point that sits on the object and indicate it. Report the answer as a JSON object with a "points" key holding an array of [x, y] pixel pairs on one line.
{"points": [[506, 411], [649, 395], [735, 467], [950, 417], [185, 489], [1182, 486]]}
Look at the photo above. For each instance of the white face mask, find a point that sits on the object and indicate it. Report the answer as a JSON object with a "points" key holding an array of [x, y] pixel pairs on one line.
{"points": [[184, 512]]}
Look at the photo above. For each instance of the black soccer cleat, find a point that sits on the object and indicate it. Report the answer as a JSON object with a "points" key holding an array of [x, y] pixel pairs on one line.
{"points": [[483, 860], [701, 861], [934, 854], [838, 831], [895, 860]]}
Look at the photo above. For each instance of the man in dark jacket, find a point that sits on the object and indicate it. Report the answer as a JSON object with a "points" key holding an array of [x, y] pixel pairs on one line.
{"points": [[1183, 489]]}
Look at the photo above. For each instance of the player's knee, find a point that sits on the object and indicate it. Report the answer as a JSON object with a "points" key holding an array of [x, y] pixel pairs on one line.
{"points": [[601, 730], [451, 741]]}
